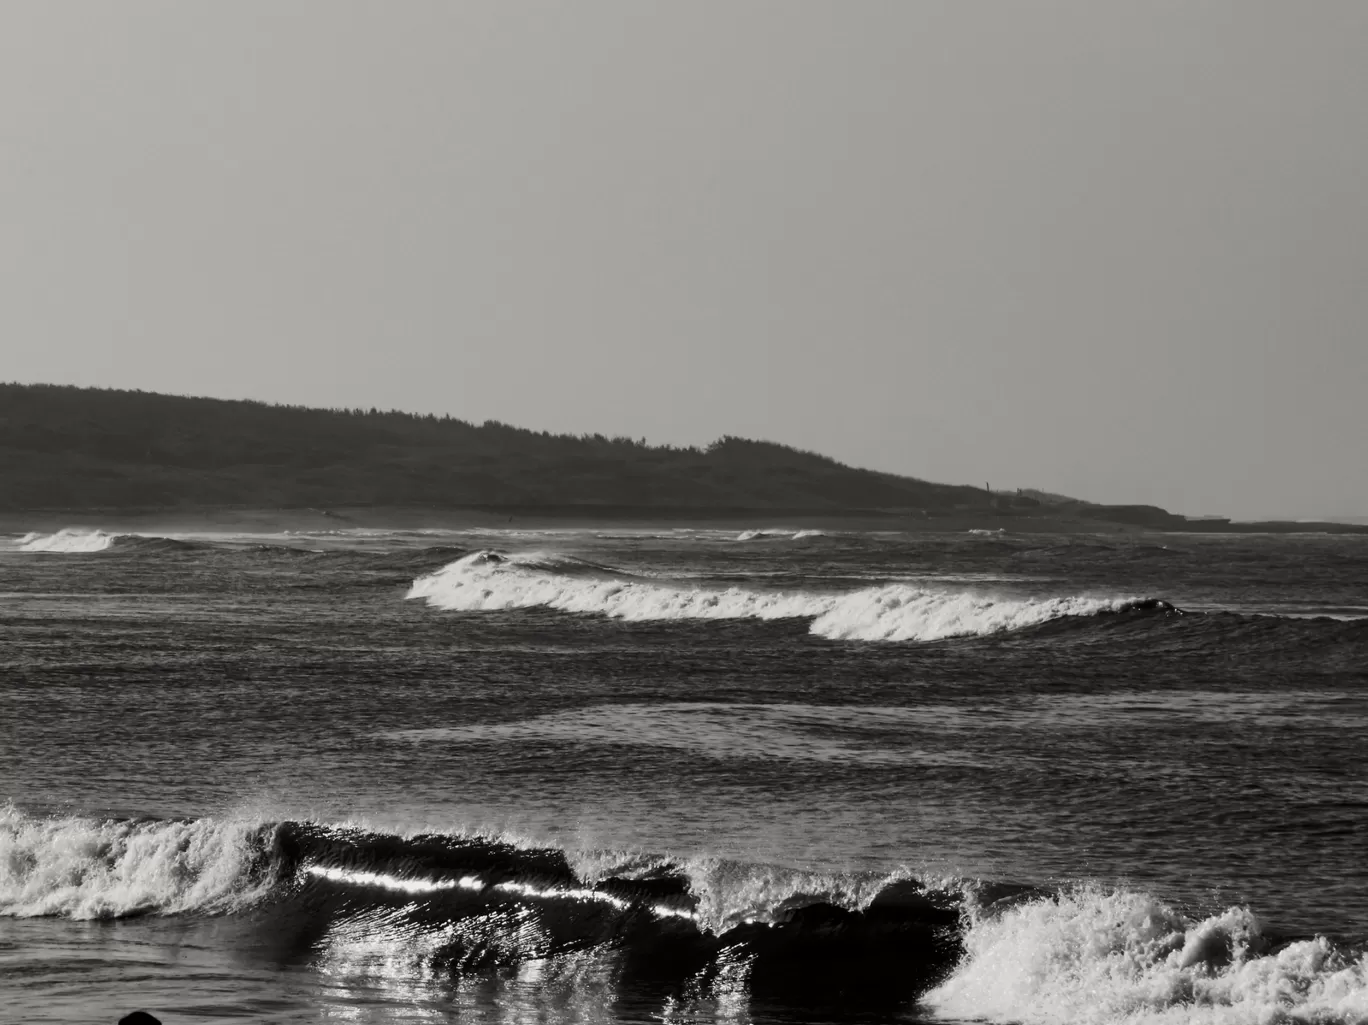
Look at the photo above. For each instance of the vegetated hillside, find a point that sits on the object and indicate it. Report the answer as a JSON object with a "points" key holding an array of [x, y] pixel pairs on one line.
{"points": [[82, 448]]}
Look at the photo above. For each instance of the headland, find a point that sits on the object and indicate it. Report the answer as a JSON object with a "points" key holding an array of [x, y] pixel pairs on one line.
{"points": [[131, 460]]}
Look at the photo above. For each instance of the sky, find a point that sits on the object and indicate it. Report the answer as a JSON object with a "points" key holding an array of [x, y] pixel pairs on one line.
{"points": [[1114, 250]]}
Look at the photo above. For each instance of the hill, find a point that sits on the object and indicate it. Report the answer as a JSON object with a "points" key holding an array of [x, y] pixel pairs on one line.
{"points": [[83, 448], [91, 450]]}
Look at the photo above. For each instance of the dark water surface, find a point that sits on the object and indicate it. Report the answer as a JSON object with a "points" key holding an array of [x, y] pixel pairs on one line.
{"points": [[631, 777]]}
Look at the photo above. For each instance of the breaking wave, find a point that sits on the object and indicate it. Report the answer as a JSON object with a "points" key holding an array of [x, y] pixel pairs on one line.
{"points": [[72, 541], [1096, 956], [92, 868], [486, 581], [462, 905], [790, 535], [66, 541]]}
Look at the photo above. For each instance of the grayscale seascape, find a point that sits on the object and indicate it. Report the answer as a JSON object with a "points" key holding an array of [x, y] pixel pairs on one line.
{"points": [[697, 512]]}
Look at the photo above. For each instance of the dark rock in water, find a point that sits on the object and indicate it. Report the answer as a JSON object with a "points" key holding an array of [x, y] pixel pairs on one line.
{"points": [[139, 1018]]}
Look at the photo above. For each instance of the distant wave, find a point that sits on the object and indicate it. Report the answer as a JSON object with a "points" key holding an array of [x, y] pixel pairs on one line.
{"points": [[76, 541], [67, 540], [1117, 956], [487, 580], [775, 533], [73, 541]]}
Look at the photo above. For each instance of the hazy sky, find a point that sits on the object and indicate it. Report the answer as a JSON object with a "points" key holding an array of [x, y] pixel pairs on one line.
{"points": [[1118, 250]]}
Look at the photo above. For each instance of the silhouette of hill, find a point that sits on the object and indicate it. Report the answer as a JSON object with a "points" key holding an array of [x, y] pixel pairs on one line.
{"points": [[85, 448], [66, 449]]}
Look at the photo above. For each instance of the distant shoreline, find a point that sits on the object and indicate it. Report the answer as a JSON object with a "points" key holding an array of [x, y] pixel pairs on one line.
{"points": [[266, 520]]}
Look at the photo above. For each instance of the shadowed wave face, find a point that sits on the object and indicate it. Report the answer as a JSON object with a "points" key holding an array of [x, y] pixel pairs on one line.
{"points": [[469, 906]]}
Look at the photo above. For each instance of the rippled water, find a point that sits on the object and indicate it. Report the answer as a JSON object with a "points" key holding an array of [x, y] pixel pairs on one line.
{"points": [[1181, 719]]}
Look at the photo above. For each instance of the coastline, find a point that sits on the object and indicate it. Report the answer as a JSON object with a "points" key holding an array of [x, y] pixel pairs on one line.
{"points": [[228, 519]]}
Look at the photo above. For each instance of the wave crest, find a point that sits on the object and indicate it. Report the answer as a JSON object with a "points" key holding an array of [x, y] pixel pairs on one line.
{"points": [[487, 581], [68, 540]]}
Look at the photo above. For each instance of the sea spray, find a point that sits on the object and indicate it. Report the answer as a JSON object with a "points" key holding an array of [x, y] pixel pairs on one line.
{"points": [[92, 868], [1091, 955]]}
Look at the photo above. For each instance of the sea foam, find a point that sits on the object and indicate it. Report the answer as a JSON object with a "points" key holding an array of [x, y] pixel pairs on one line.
{"points": [[69, 540], [90, 868], [485, 581], [1096, 956]]}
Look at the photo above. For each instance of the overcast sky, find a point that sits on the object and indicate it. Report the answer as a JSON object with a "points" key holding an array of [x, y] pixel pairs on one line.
{"points": [[1118, 250]]}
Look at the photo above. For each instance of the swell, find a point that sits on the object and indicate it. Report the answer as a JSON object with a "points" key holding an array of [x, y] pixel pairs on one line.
{"points": [[464, 905], [486, 580]]}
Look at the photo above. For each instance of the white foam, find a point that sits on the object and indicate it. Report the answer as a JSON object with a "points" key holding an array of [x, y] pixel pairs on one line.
{"points": [[792, 535], [486, 581], [67, 540], [1121, 957], [88, 868]]}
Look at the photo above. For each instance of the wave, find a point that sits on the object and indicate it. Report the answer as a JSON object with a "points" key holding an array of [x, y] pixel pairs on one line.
{"points": [[487, 580], [67, 540], [464, 904], [93, 868], [403, 552], [791, 535], [73, 541], [84, 867], [469, 904], [1118, 956]]}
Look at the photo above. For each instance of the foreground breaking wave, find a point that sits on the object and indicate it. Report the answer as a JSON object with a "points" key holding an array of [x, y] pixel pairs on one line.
{"points": [[446, 906], [896, 612]]}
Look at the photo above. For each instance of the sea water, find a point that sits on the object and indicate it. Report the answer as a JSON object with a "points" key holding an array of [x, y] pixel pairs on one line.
{"points": [[683, 775]]}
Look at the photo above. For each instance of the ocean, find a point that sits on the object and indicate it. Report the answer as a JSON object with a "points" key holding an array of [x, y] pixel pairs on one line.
{"points": [[683, 776]]}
